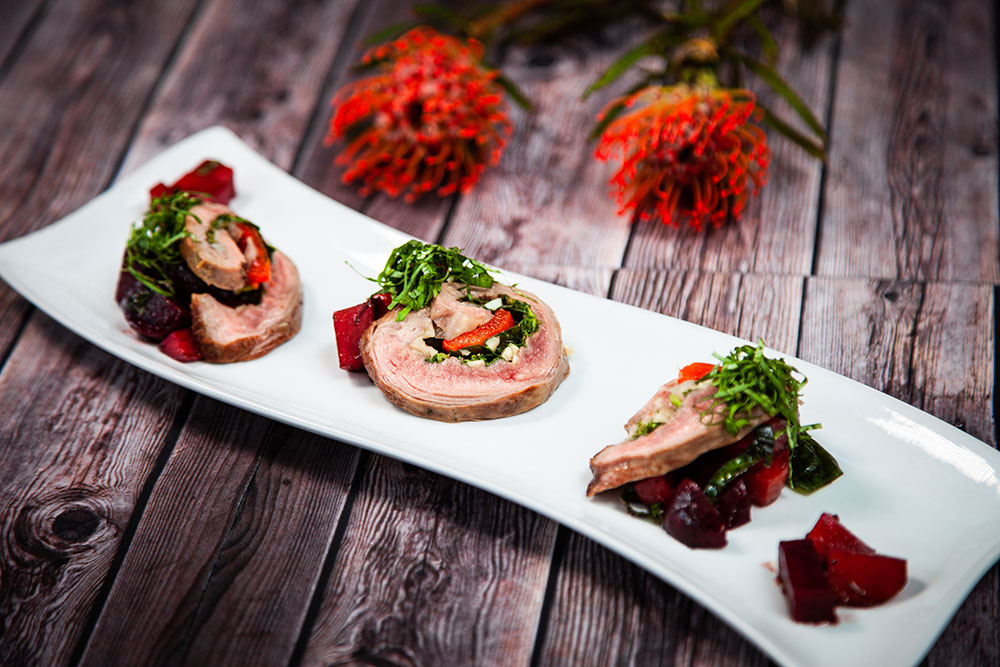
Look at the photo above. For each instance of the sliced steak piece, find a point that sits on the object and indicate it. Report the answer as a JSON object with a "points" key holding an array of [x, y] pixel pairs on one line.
{"points": [[684, 434], [227, 334], [394, 355], [212, 254]]}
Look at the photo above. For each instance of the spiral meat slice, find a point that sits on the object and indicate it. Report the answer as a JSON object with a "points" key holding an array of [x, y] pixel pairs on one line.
{"points": [[394, 354]]}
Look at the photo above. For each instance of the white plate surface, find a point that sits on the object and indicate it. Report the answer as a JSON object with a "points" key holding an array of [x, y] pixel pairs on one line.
{"points": [[913, 486]]}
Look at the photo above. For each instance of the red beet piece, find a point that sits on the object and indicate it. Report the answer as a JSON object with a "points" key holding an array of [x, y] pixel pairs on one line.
{"points": [[829, 533], [693, 520], [180, 345], [350, 323], [734, 505], [805, 583], [764, 482], [864, 579], [210, 178], [149, 313], [655, 489]]}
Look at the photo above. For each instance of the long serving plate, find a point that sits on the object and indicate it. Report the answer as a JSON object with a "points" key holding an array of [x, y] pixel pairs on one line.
{"points": [[913, 486]]}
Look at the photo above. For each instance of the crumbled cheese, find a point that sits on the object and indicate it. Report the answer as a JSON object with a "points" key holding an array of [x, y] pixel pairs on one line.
{"points": [[493, 304], [493, 343], [476, 363], [464, 352], [510, 353]]}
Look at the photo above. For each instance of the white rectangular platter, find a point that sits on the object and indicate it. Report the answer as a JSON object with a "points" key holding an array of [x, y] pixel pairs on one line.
{"points": [[913, 486]]}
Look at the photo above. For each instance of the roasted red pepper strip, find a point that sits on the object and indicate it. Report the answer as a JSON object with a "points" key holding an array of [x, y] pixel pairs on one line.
{"points": [[500, 322], [259, 270], [210, 178], [695, 371]]}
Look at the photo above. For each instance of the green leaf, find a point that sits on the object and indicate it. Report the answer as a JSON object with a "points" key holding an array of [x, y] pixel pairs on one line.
{"points": [[515, 93], [817, 150], [619, 67], [738, 12], [390, 32], [767, 41], [780, 86], [811, 466]]}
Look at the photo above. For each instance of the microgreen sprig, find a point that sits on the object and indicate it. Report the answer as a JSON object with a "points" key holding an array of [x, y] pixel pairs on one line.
{"points": [[746, 380], [152, 250], [415, 271]]}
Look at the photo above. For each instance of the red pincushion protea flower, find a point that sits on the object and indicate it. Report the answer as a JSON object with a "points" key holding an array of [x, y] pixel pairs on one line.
{"points": [[431, 118], [690, 153]]}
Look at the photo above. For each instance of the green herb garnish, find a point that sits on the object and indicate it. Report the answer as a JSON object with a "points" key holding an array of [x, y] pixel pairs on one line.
{"points": [[152, 251], [746, 380], [645, 428], [415, 271]]}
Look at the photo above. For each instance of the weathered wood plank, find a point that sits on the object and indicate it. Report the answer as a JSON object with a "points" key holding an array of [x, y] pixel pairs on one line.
{"points": [[15, 19], [777, 232], [911, 187], [229, 546], [271, 59], [547, 200], [75, 419], [608, 611], [921, 344], [432, 572]]}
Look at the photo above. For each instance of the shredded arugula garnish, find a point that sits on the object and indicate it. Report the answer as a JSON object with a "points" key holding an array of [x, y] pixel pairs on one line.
{"points": [[153, 248], [415, 271], [746, 380], [645, 428]]}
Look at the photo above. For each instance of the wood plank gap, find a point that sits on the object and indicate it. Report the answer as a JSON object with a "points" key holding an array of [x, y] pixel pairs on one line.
{"points": [[996, 362], [911, 366], [173, 436], [448, 217], [22, 39], [559, 548], [332, 552], [5, 355], [359, 18], [840, 8]]}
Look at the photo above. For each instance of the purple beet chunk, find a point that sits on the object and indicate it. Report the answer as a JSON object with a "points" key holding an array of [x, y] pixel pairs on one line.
{"points": [[806, 585], [151, 315], [734, 505], [693, 520]]}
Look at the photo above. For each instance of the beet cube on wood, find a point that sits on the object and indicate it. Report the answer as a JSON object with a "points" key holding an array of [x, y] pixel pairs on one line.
{"points": [[805, 583], [693, 520], [829, 533], [765, 482], [864, 579]]}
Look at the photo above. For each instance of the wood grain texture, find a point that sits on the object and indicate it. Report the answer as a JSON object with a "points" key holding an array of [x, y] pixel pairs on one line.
{"points": [[273, 57], [547, 201], [75, 420], [911, 191], [432, 572], [15, 20], [605, 610], [919, 343], [230, 545], [777, 232]]}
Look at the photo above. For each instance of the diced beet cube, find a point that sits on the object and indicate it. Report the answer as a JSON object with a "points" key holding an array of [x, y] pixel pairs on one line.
{"points": [[734, 504], [380, 303], [805, 583], [149, 313], [764, 482], [864, 579], [693, 520], [659, 489], [350, 323], [181, 345], [829, 533]]}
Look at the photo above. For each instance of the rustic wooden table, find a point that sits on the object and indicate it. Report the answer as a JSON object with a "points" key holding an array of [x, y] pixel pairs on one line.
{"points": [[141, 523]]}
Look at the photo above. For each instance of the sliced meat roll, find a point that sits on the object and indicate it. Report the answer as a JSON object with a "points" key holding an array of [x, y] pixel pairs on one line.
{"points": [[395, 353], [683, 435], [212, 254], [227, 334]]}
